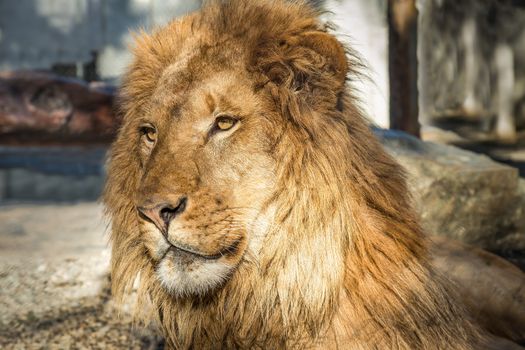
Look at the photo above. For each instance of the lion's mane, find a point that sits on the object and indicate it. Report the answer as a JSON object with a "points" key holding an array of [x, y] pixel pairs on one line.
{"points": [[346, 261]]}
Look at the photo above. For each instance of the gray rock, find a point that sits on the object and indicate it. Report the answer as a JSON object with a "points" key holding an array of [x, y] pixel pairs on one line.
{"points": [[461, 194]]}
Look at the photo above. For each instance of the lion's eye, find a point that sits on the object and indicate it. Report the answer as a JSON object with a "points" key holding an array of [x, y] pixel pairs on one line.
{"points": [[224, 123], [149, 134]]}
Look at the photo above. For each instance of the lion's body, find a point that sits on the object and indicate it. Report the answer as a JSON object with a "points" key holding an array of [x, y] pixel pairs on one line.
{"points": [[333, 256]]}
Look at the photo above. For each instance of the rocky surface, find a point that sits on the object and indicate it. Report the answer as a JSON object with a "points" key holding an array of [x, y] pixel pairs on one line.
{"points": [[461, 194]]}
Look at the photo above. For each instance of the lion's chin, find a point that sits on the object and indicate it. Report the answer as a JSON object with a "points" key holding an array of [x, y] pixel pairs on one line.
{"points": [[182, 274]]}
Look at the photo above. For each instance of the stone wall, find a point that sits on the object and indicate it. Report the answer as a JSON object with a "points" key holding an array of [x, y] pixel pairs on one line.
{"points": [[472, 59]]}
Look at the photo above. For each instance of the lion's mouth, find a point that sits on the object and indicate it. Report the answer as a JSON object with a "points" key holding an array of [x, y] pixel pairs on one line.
{"points": [[182, 250], [189, 252]]}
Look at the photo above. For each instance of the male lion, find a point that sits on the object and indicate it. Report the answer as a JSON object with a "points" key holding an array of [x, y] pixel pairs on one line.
{"points": [[248, 194]]}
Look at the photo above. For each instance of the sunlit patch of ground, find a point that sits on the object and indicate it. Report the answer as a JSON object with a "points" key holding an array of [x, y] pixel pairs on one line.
{"points": [[54, 282]]}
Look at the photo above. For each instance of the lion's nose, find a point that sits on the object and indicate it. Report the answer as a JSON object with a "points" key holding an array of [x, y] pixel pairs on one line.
{"points": [[161, 214]]}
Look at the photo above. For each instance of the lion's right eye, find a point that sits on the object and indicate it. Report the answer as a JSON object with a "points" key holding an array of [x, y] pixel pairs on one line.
{"points": [[225, 123]]}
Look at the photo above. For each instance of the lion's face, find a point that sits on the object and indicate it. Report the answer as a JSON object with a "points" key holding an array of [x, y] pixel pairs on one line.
{"points": [[206, 172], [217, 115]]}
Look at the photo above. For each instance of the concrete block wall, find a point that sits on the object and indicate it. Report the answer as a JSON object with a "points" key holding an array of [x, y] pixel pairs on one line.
{"points": [[36, 34]]}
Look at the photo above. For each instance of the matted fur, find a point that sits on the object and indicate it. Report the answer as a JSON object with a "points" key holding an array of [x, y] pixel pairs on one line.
{"points": [[340, 260]]}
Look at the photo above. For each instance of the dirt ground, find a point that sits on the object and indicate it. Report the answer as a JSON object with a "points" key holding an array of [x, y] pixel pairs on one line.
{"points": [[54, 282]]}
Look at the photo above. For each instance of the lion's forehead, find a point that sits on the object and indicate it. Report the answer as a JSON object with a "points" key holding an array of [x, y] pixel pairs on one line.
{"points": [[201, 96], [196, 63]]}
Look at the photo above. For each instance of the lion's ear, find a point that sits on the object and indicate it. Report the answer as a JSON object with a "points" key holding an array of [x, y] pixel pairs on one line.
{"points": [[304, 60], [331, 49]]}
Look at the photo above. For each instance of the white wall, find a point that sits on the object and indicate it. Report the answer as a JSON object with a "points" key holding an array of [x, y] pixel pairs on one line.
{"points": [[363, 25]]}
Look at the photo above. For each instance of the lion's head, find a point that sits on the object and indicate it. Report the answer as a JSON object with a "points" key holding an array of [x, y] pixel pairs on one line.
{"points": [[203, 135], [245, 187]]}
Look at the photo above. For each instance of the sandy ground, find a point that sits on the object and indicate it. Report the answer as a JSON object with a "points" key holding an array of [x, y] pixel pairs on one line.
{"points": [[54, 282]]}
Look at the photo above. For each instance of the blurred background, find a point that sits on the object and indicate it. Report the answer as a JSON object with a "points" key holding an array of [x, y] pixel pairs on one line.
{"points": [[445, 91]]}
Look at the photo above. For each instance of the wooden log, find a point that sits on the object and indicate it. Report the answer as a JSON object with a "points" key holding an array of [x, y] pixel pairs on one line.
{"points": [[37, 106], [402, 65]]}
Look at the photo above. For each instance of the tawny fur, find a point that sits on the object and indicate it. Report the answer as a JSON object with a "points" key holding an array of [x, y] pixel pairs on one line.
{"points": [[342, 261]]}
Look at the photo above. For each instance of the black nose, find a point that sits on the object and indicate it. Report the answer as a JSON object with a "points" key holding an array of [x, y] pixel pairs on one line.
{"points": [[162, 213]]}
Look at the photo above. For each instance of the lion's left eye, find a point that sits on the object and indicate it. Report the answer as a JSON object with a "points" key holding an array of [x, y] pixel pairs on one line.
{"points": [[224, 123], [149, 134]]}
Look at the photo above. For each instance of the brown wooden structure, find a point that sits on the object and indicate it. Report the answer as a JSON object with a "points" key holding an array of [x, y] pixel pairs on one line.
{"points": [[402, 65]]}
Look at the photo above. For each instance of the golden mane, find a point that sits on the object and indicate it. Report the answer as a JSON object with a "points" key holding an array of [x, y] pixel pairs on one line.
{"points": [[346, 262]]}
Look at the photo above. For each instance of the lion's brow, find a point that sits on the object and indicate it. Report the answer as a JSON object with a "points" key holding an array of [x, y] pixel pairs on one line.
{"points": [[210, 102]]}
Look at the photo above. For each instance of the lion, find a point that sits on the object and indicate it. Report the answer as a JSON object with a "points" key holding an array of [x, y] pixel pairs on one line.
{"points": [[251, 205]]}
